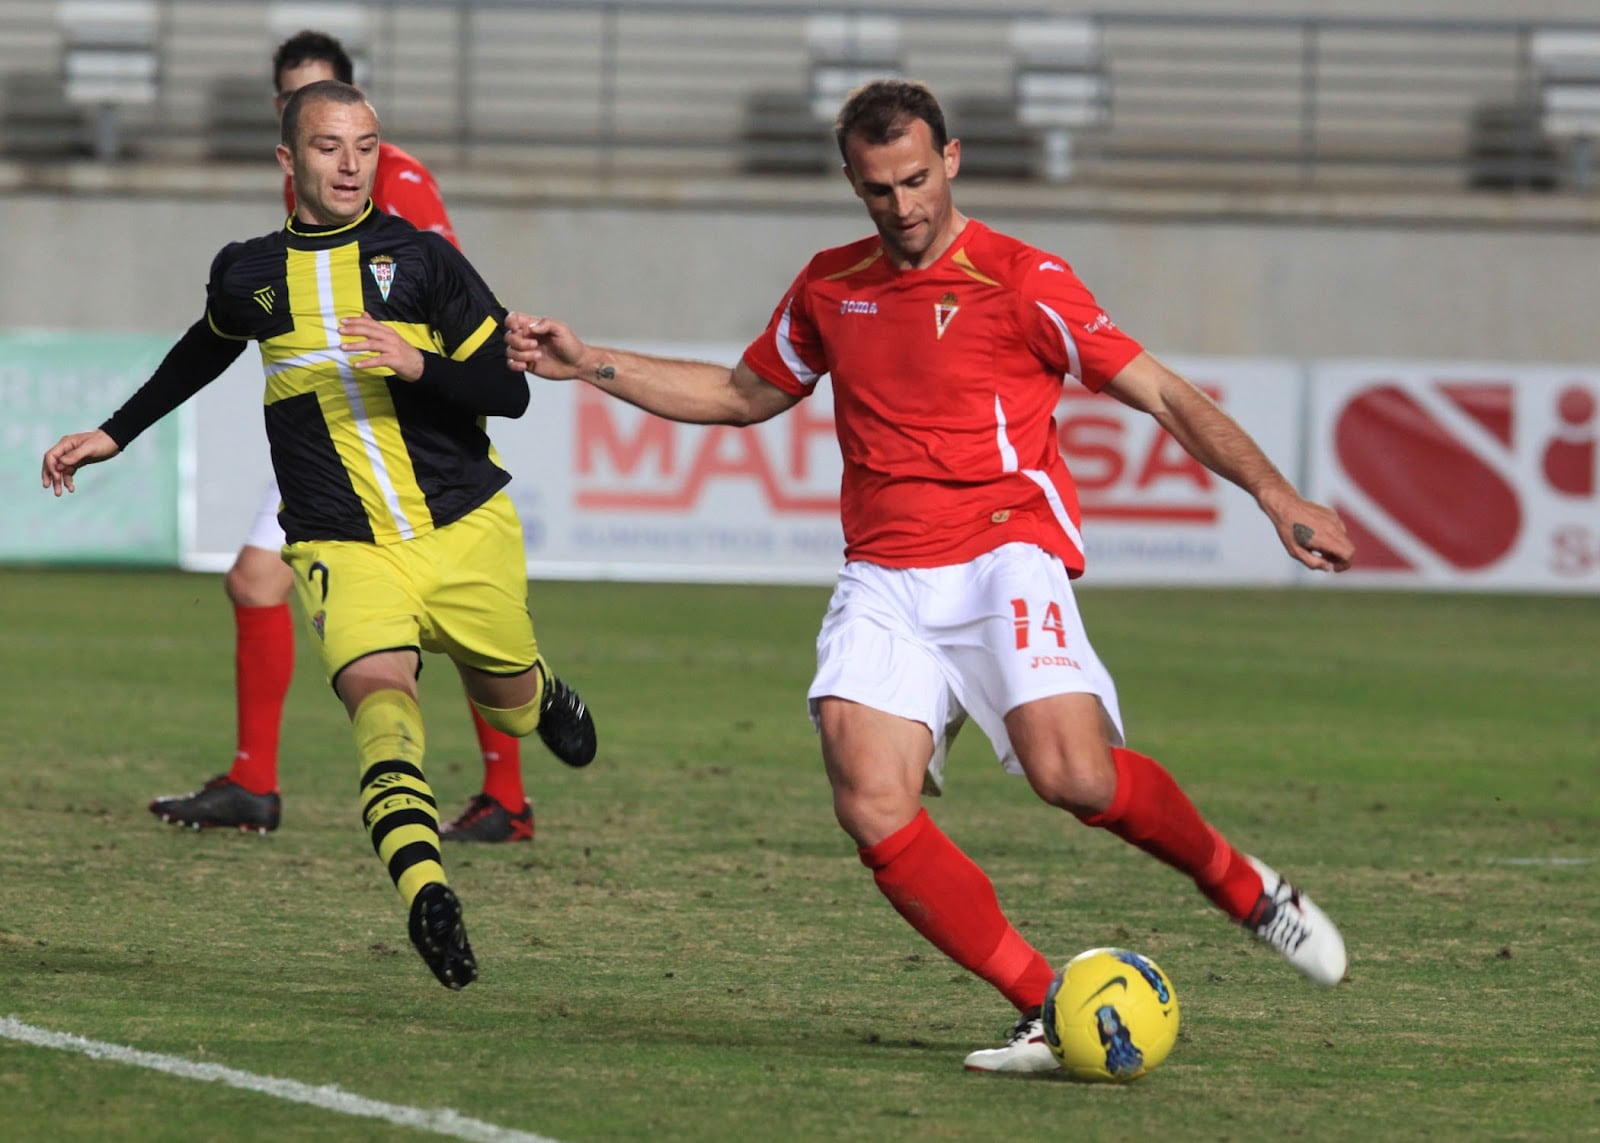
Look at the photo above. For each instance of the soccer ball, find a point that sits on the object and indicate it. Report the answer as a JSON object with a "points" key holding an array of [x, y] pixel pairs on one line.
{"points": [[1110, 1016]]}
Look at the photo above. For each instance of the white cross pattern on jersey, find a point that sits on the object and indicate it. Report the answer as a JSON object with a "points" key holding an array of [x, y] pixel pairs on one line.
{"points": [[352, 391]]}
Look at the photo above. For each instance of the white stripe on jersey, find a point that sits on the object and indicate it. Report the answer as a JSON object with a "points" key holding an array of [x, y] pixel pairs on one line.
{"points": [[1008, 455], [352, 392], [1074, 365], [1009, 463], [802, 372], [1057, 508]]}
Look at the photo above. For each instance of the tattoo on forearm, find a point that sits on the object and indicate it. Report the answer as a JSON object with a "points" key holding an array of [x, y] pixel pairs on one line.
{"points": [[606, 373], [1303, 534]]}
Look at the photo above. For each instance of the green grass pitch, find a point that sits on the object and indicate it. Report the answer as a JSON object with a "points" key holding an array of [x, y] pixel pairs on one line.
{"points": [[690, 949]]}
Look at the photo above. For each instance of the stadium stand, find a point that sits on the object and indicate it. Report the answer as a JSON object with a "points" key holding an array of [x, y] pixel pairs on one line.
{"points": [[1187, 97], [1060, 86], [1567, 64], [108, 61]]}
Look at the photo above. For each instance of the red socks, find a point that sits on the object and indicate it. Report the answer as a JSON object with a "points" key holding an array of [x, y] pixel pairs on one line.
{"points": [[952, 903], [1151, 811], [263, 664], [502, 763]]}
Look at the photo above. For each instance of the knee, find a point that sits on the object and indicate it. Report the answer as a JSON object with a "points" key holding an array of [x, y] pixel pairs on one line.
{"points": [[517, 721], [258, 578], [869, 815], [1081, 782]]}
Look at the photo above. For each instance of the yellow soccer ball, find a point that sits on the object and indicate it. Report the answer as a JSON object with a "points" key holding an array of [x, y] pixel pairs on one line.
{"points": [[1110, 1016]]}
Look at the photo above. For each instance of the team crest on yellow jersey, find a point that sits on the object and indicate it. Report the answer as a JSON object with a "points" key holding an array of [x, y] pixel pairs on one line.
{"points": [[382, 267], [943, 311]]}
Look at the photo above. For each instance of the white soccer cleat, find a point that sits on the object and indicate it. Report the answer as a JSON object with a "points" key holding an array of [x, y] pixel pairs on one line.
{"points": [[1025, 1051], [1287, 920]]}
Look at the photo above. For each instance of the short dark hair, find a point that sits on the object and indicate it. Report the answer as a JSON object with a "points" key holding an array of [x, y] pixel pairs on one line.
{"points": [[306, 46], [323, 91], [883, 110]]}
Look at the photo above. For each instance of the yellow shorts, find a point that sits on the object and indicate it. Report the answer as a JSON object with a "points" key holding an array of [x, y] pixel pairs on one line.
{"points": [[461, 590]]}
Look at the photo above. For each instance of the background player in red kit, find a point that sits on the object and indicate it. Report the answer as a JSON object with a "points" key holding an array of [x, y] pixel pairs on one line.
{"points": [[947, 344], [259, 583]]}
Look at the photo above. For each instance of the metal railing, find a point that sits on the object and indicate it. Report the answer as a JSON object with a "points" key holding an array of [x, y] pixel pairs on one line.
{"points": [[666, 87]]}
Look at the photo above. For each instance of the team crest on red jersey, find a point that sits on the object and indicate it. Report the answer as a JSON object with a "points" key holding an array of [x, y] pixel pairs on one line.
{"points": [[382, 267], [944, 309]]}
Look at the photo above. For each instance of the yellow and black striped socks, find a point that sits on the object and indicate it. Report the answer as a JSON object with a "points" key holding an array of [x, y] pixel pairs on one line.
{"points": [[397, 806]]}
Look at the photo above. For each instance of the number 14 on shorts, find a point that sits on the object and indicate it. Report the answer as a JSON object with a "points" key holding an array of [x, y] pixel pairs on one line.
{"points": [[1050, 625]]}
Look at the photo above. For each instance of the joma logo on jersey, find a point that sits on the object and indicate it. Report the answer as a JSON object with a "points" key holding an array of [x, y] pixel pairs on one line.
{"points": [[382, 267], [265, 296], [853, 306]]}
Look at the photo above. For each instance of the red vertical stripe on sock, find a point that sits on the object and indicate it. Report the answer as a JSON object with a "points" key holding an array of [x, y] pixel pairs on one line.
{"points": [[1150, 810], [263, 665], [502, 763], [951, 902]]}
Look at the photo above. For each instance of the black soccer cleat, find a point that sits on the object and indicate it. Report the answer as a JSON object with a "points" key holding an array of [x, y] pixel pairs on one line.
{"points": [[441, 937], [565, 725], [221, 804], [485, 819]]}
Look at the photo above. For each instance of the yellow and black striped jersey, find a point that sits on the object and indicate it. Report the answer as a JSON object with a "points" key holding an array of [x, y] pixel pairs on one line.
{"points": [[361, 454]]}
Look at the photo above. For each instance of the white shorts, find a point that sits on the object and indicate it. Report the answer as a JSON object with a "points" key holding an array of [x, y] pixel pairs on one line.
{"points": [[265, 531], [939, 645]]}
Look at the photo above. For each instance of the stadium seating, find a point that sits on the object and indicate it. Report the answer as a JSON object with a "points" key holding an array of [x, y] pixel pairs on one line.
{"points": [[1059, 85], [612, 87], [1567, 66], [110, 60]]}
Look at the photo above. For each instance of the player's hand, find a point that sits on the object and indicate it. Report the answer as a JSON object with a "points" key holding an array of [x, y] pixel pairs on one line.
{"points": [[387, 349], [71, 453], [1311, 533], [543, 346]]}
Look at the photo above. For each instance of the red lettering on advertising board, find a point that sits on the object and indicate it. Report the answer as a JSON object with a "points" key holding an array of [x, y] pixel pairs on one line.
{"points": [[664, 450], [1569, 457], [1122, 479]]}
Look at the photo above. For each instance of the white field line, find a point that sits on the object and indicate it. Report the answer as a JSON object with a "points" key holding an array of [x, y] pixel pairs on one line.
{"points": [[439, 1121], [1537, 861]]}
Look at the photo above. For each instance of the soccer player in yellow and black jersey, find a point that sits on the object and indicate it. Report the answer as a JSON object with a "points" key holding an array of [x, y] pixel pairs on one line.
{"points": [[383, 353]]}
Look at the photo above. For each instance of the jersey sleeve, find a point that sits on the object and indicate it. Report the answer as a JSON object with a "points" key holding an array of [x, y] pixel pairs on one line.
{"points": [[465, 315], [198, 359], [405, 188], [230, 315], [789, 352], [1066, 328]]}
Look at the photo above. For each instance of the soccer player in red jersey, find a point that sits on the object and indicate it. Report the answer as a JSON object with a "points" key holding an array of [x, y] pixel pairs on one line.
{"points": [[948, 344], [259, 583]]}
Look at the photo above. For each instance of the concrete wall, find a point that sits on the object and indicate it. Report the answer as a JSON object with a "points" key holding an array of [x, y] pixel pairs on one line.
{"points": [[1370, 277]]}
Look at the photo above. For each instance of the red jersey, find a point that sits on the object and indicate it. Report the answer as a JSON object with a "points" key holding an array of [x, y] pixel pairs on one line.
{"points": [[402, 187], [945, 384]]}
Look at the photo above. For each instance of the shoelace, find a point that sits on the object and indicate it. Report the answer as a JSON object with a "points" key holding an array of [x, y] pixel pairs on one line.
{"points": [[1284, 928], [1025, 1031], [566, 699]]}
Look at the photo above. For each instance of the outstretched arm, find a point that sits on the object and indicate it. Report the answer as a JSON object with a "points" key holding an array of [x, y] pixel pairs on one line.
{"points": [[1310, 532], [199, 358], [696, 392]]}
